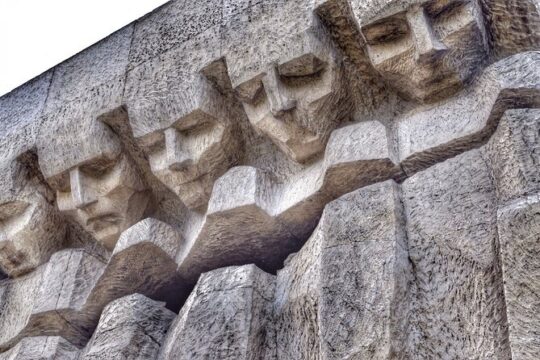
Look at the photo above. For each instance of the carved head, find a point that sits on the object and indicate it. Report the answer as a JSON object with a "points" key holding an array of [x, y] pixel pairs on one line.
{"points": [[97, 183], [182, 121], [426, 50], [30, 226], [289, 78]]}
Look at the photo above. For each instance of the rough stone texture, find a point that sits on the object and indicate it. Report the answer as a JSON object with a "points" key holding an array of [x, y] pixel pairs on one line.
{"points": [[343, 295], [225, 317], [451, 211], [42, 348], [514, 154], [23, 105], [392, 146], [248, 206], [132, 327], [45, 302], [466, 121], [519, 228], [514, 25], [31, 228]]}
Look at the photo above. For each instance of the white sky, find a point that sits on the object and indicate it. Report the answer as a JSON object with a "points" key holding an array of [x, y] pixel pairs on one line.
{"points": [[36, 35]]}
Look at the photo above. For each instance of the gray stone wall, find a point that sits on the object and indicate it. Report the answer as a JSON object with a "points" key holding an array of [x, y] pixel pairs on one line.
{"points": [[282, 179]]}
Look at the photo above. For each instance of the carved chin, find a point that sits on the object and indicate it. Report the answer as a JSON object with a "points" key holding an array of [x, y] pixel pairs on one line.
{"points": [[107, 226], [436, 88], [195, 194], [108, 236]]}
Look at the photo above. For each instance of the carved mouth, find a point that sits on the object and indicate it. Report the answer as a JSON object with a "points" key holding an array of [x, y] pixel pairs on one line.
{"points": [[100, 222]]}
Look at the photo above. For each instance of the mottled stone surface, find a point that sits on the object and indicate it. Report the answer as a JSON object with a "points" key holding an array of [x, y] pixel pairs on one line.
{"points": [[225, 317], [281, 179], [451, 211], [47, 302], [23, 105], [514, 154], [519, 228], [132, 327], [42, 348], [430, 135], [343, 295]]}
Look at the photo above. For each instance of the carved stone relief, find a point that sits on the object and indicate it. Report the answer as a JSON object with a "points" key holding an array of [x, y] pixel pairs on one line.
{"points": [[289, 78], [329, 179], [426, 50]]}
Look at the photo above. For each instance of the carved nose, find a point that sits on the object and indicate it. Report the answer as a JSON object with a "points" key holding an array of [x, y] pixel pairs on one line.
{"points": [[178, 163], [428, 47], [177, 159], [280, 102], [82, 195]]}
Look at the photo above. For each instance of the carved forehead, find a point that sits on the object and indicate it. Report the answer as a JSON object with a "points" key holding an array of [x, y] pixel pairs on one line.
{"points": [[272, 35], [13, 179], [369, 11], [169, 87], [64, 143]]}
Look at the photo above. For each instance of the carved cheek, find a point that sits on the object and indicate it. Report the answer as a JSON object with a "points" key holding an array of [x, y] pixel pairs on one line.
{"points": [[324, 92], [395, 57], [124, 174], [258, 111], [205, 149], [463, 31], [65, 201], [23, 225]]}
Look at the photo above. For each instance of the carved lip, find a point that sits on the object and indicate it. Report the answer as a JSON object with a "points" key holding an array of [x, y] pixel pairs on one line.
{"points": [[102, 221]]}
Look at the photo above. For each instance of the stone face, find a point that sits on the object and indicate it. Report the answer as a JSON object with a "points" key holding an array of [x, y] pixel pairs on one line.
{"points": [[96, 182], [225, 317], [185, 125], [466, 121], [249, 206], [132, 327], [31, 228], [425, 49], [297, 179], [290, 78]]}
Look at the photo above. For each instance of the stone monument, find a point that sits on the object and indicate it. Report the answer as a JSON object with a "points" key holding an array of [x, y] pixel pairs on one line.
{"points": [[278, 180]]}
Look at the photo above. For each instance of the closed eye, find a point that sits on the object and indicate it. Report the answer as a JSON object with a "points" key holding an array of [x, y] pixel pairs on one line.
{"points": [[98, 167], [305, 65], [386, 31], [442, 9]]}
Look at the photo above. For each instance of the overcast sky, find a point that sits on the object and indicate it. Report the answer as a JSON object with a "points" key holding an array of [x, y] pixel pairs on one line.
{"points": [[35, 35]]}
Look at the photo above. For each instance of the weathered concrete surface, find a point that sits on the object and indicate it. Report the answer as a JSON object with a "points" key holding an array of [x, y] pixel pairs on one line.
{"points": [[344, 294], [226, 317], [519, 226], [46, 301], [132, 327], [213, 134], [428, 136], [249, 206], [451, 211], [42, 348], [514, 155]]}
